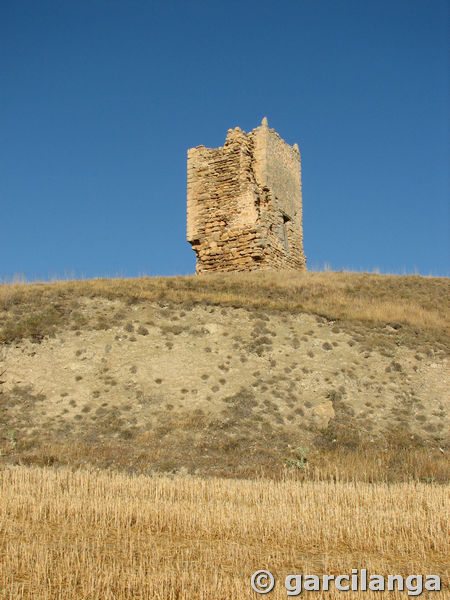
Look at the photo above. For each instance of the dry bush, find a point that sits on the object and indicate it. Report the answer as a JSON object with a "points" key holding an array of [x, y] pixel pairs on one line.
{"points": [[76, 535]]}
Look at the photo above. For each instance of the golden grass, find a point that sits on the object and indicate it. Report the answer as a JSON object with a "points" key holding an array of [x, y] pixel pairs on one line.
{"points": [[413, 299], [405, 310], [79, 535]]}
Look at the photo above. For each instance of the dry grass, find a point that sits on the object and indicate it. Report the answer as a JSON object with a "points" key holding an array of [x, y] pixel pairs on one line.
{"points": [[419, 305], [78, 535], [251, 456]]}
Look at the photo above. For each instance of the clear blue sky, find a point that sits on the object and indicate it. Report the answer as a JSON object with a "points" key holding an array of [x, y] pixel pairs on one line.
{"points": [[100, 99]]}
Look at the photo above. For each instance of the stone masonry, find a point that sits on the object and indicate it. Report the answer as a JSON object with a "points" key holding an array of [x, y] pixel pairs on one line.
{"points": [[244, 203]]}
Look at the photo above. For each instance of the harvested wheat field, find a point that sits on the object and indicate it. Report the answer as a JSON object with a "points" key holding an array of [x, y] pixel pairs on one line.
{"points": [[79, 535]]}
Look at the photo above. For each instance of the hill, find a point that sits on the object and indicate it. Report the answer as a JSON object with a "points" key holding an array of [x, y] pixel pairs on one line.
{"points": [[229, 374]]}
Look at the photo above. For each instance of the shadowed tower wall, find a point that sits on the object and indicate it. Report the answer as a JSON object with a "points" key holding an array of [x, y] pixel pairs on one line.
{"points": [[244, 203]]}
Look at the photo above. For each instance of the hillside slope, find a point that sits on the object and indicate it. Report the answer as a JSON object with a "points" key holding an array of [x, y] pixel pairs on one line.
{"points": [[226, 374]]}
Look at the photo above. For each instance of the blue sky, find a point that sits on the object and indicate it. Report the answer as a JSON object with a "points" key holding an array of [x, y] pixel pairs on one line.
{"points": [[99, 101]]}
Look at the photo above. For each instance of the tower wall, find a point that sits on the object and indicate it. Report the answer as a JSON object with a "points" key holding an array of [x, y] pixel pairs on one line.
{"points": [[244, 204]]}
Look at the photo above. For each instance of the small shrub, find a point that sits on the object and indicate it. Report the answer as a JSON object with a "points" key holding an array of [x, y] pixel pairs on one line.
{"points": [[300, 459]]}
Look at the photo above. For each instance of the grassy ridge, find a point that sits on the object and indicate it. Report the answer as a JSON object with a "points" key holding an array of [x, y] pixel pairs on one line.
{"points": [[418, 305]]}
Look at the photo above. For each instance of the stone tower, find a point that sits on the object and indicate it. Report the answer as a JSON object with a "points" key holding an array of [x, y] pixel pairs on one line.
{"points": [[244, 203]]}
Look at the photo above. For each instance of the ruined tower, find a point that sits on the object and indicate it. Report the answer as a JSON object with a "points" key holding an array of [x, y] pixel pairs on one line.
{"points": [[244, 203]]}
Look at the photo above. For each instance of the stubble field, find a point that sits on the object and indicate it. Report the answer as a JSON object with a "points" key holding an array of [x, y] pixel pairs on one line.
{"points": [[78, 535]]}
